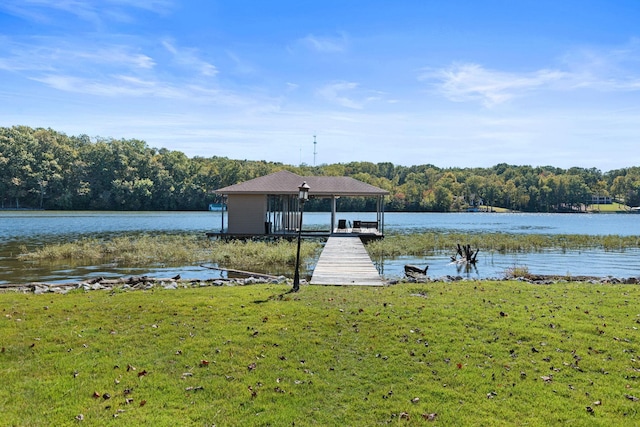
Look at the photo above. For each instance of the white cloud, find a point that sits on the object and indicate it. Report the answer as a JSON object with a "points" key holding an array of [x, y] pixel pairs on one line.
{"points": [[472, 82], [189, 58], [114, 55], [86, 10], [157, 6], [325, 44], [102, 68], [53, 53], [114, 86], [615, 69], [241, 66], [122, 85], [334, 93]]}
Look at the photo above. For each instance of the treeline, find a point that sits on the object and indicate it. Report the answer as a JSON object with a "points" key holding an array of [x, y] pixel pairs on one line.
{"points": [[42, 168]]}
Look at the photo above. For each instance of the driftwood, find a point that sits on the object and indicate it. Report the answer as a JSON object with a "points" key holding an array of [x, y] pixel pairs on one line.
{"points": [[466, 254], [412, 270], [246, 273]]}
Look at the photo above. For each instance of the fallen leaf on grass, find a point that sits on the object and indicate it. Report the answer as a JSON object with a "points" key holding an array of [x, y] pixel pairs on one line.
{"points": [[143, 402]]}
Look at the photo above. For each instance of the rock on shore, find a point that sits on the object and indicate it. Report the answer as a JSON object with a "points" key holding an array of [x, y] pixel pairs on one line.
{"points": [[135, 283]]}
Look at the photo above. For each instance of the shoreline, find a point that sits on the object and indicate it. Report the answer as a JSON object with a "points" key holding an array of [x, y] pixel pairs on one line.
{"points": [[134, 283]]}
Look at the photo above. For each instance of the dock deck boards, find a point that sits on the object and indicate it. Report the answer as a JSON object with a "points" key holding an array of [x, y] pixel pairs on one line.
{"points": [[345, 261]]}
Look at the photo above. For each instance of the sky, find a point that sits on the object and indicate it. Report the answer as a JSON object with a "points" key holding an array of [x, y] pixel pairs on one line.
{"points": [[452, 83]]}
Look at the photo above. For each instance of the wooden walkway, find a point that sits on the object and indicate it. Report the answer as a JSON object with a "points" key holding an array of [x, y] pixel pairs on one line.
{"points": [[345, 261]]}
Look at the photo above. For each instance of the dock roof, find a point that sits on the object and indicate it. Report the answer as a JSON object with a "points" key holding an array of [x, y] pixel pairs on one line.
{"points": [[285, 182]]}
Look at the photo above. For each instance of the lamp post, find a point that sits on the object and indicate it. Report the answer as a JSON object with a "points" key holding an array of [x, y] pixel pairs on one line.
{"points": [[303, 196]]}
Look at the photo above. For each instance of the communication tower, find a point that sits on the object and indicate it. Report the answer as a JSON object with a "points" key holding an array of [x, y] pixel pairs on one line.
{"points": [[315, 144]]}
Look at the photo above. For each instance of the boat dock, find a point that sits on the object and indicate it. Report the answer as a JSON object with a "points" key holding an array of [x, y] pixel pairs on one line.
{"points": [[345, 261]]}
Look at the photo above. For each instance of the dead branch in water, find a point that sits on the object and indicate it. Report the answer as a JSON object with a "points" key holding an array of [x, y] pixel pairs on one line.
{"points": [[466, 254]]}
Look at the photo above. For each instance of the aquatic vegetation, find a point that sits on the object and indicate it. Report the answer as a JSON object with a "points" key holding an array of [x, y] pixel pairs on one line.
{"points": [[517, 271], [144, 249], [420, 244]]}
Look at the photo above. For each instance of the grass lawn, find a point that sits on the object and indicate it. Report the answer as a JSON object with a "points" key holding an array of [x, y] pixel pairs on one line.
{"points": [[610, 208], [464, 353]]}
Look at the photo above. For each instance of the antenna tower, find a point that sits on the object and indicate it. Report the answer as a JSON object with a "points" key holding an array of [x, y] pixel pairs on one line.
{"points": [[315, 143]]}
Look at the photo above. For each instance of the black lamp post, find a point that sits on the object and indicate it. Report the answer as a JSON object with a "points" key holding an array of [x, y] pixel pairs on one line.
{"points": [[303, 196]]}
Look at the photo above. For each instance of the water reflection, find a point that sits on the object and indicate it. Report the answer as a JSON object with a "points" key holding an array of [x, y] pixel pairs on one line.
{"points": [[584, 262], [466, 269]]}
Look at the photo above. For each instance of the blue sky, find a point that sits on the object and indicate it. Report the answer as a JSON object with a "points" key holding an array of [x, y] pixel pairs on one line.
{"points": [[452, 83]]}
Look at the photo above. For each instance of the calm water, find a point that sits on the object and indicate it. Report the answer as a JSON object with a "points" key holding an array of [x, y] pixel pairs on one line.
{"points": [[33, 228]]}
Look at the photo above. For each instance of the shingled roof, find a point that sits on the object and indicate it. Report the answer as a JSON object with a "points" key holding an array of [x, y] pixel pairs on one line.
{"points": [[285, 182]]}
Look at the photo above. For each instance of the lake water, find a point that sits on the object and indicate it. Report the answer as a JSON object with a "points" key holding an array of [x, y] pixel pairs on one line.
{"points": [[33, 228]]}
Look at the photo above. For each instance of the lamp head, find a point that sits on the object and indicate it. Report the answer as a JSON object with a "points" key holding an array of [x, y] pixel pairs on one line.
{"points": [[303, 192]]}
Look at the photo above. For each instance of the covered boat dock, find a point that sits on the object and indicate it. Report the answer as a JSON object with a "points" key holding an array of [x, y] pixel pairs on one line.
{"points": [[269, 207]]}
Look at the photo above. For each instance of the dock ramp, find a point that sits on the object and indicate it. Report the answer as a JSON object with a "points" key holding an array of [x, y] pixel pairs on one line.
{"points": [[345, 261]]}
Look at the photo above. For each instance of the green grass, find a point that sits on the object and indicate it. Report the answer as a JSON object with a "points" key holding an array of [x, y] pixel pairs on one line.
{"points": [[481, 353], [485, 208], [610, 208]]}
